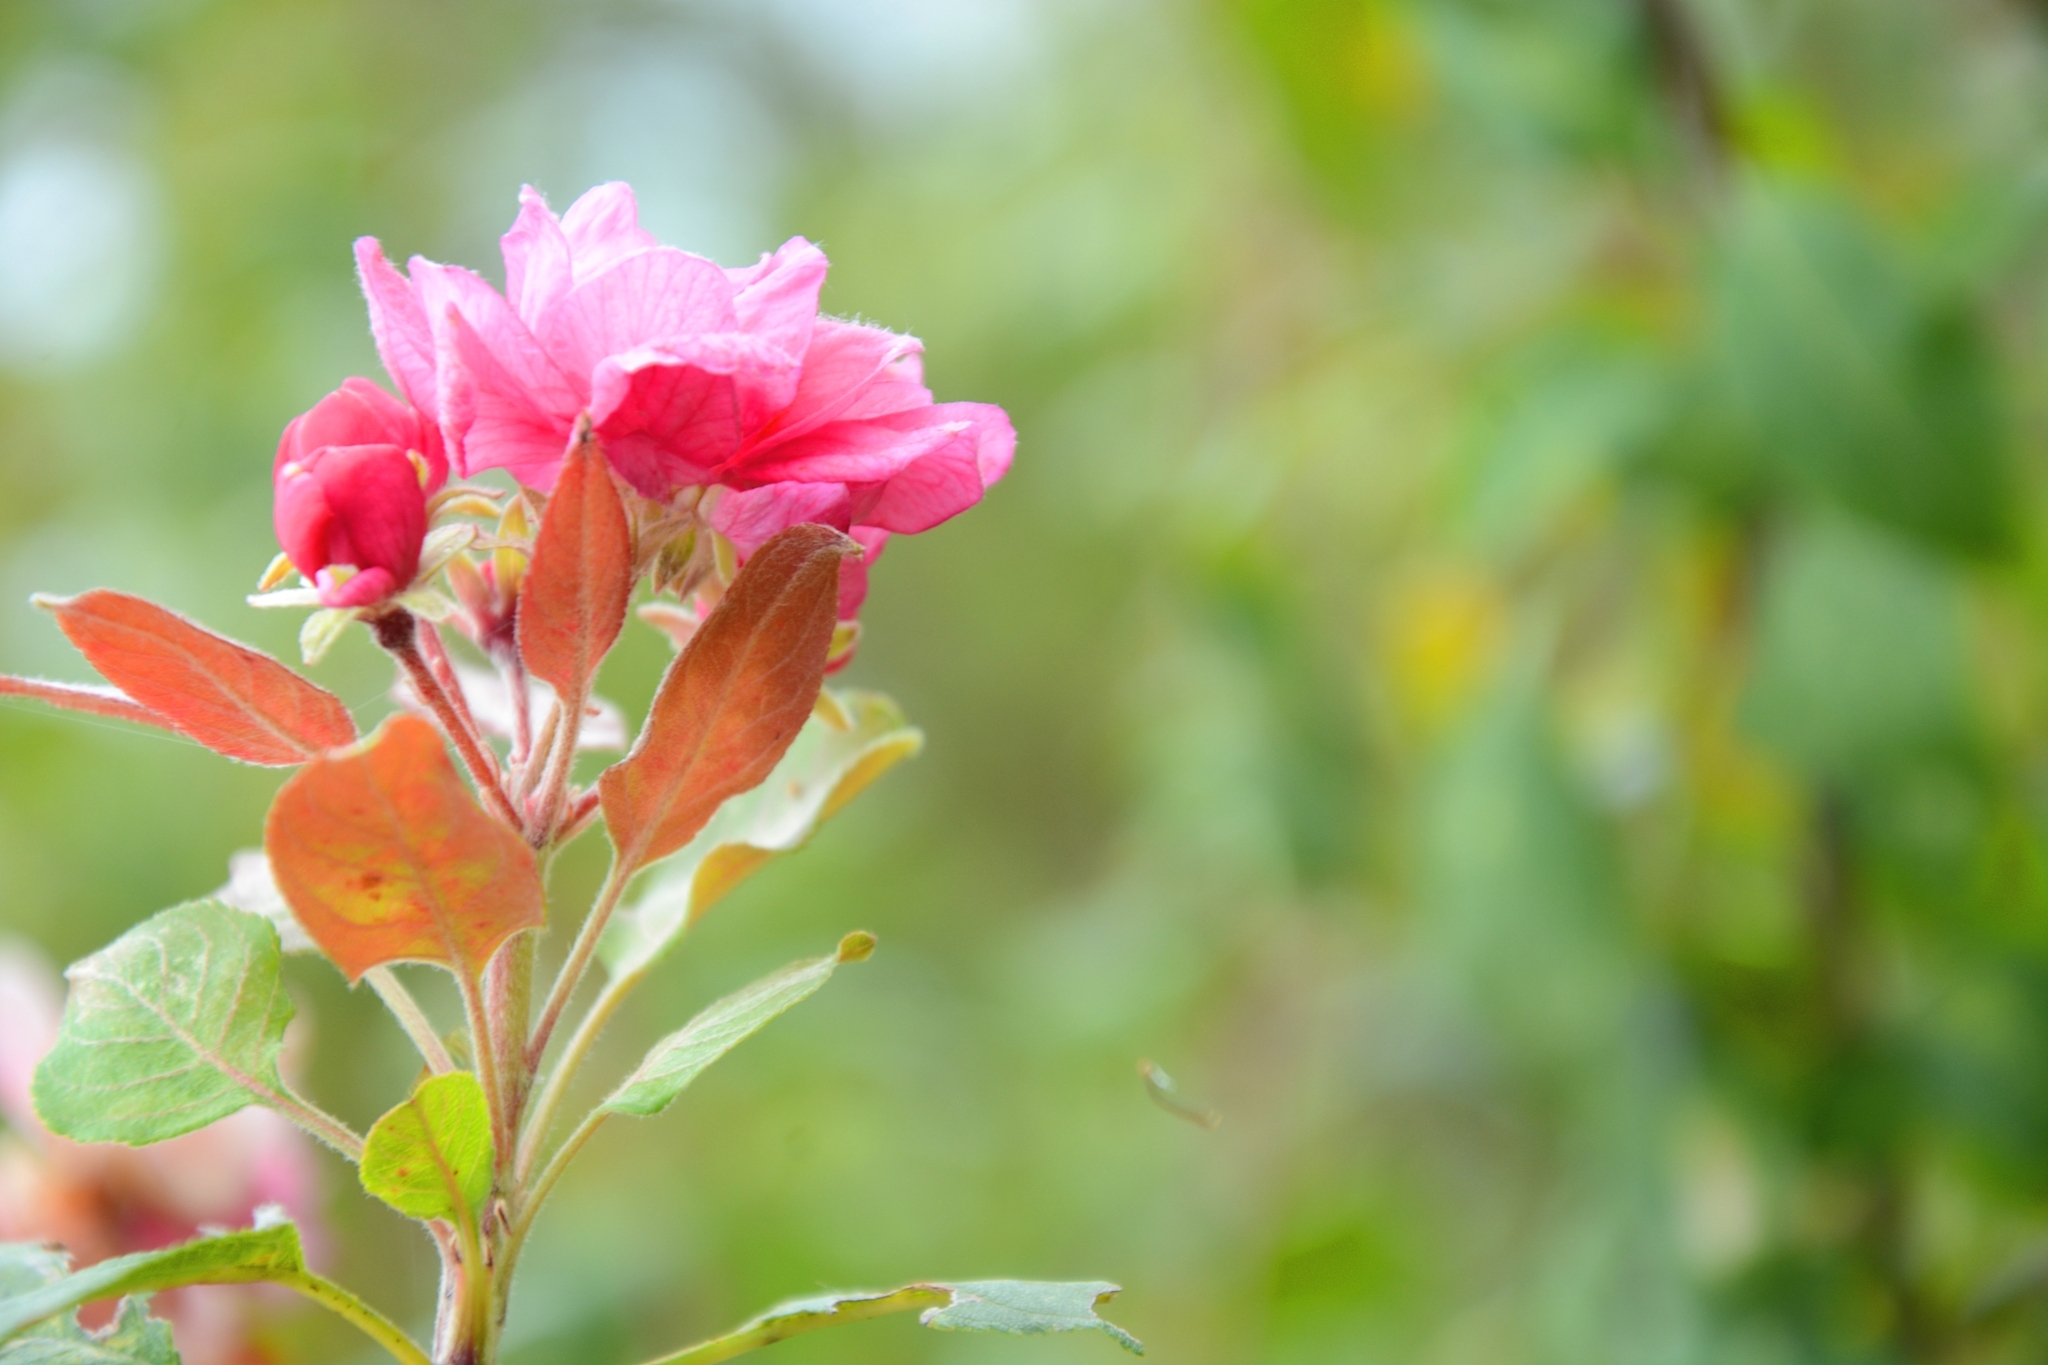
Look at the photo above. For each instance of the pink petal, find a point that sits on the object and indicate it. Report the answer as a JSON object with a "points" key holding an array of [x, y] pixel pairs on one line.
{"points": [[448, 291], [603, 227], [497, 421], [870, 451], [398, 323], [379, 514], [665, 422], [505, 404], [995, 440], [536, 258], [777, 300], [898, 388], [647, 299], [301, 517], [750, 517], [846, 362], [360, 414], [930, 489], [853, 573], [365, 589]]}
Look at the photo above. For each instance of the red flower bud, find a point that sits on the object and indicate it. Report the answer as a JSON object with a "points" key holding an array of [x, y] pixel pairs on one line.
{"points": [[352, 477]]}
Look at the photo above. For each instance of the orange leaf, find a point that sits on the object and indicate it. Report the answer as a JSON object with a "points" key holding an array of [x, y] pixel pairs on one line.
{"points": [[384, 856], [231, 698], [98, 701], [574, 599], [733, 700]]}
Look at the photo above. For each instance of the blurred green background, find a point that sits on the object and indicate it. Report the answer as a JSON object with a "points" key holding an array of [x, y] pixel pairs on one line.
{"points": [[1511, 662]]}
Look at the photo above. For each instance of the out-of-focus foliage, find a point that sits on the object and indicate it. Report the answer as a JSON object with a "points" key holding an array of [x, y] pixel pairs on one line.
{"points": [[1511, 662]]}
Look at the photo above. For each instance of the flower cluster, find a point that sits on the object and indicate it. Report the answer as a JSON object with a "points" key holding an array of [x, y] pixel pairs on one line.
{"points": [[661, 419], [722, 397]]}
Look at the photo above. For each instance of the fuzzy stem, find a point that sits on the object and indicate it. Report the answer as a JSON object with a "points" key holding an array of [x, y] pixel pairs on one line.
{"points": [[579, 816], [508, 1003], [512, 669], [397, 631], [543, 743], [554, 788], [428, 636], [578, 960], [448, 1301], [411, 1018], [535, 1195], [316, 1121], [484, 1048], [578, 1047], [374, 1325], [768, 1333]]}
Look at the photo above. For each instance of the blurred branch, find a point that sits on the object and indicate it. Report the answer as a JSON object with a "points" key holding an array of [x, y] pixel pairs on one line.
{"points": [[1685, 74]]}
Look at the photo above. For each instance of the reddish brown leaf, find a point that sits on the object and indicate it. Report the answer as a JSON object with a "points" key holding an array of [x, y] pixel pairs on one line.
{"points": [[574, 598], [384, 856], [98, 701], [733, 700], [231, 698]]}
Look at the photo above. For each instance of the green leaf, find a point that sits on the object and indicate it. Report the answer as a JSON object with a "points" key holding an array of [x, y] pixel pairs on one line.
{"points": [[1854, 379], [132, 1338], [1862, 652], [1027, 1308], [269, 1251], [431, 1156], [678, 1059], [29, 1265], [853, 738], [175, 1024], [1019, 1307]]}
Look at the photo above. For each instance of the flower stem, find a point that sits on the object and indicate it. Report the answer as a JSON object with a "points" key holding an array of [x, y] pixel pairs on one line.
{"points": [[578, 1047], [397, 631], [435, 653], [508, 1004], [512, 669], [554, 788], [316, 1121], [374, 1325], [754, 1337], [579, 816], [578, 961], [484, 1048], [411, 1018]]}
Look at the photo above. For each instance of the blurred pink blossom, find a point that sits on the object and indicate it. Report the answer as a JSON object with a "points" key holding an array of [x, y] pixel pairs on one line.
{"points": [[692, 375], [102, 1199]]}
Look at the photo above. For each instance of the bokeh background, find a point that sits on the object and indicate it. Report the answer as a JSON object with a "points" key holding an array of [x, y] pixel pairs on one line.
{"points": [[1511, 662]]}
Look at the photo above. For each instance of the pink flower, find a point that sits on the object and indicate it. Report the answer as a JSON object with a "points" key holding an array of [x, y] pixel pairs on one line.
{"points": [[350, 495], [102, 1199], [690, 374]]}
